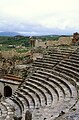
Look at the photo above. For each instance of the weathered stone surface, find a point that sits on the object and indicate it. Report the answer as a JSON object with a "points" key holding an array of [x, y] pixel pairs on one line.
{"points": [[17, 118], [28, 115]]}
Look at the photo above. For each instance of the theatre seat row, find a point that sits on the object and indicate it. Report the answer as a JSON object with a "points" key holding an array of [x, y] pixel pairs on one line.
{"points": [[51, 87], [6, 111]]}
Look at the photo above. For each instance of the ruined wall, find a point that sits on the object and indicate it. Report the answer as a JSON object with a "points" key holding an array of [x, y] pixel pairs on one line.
{"points": [[37, 55], [75, 39], [65, 40], [61, 41], [40, 43]]}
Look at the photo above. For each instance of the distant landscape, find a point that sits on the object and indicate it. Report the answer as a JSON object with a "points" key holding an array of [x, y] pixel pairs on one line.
{"points": [[9, 33], [11, 40]]}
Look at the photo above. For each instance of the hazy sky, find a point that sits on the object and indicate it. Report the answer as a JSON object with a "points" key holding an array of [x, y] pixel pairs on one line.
{"points": [[39, 16]]}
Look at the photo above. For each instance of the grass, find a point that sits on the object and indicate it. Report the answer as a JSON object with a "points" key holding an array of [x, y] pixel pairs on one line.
{"points": [[21, 50]]}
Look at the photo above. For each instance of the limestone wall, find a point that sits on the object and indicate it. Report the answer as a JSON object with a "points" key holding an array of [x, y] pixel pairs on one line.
{"points": [[65, 40], [37, 55], [61, 41], [39, 43]]}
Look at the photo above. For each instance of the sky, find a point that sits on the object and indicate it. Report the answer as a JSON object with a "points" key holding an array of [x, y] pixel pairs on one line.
{"points": [[39, 17]]}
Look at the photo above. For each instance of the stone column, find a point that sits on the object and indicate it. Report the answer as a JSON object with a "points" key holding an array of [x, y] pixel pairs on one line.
{"points": [[28, 115]]}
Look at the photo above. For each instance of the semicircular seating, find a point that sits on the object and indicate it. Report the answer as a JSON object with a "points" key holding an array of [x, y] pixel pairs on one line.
{"points": [[6, 111], [51, 88]]}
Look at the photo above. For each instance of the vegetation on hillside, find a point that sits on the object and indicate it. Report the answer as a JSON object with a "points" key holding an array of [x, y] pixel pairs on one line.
{"points": [[12, 42], [8, 43]]}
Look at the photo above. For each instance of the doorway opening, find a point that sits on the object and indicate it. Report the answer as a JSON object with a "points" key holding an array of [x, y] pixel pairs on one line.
{"points": [[7, 91]]}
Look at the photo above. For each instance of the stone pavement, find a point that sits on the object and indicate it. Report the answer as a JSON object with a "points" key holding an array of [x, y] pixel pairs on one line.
{"points": [[73, 114]]}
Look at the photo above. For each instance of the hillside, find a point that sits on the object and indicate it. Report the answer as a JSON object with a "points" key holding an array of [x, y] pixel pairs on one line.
{"points": [[14, 40], [9, 33]]}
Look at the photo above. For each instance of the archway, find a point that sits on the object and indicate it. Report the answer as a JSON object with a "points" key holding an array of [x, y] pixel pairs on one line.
{"points": [[7, 91]]}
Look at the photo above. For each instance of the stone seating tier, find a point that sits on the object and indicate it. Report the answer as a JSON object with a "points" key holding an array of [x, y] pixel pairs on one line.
{"points": [[51, 88]]}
